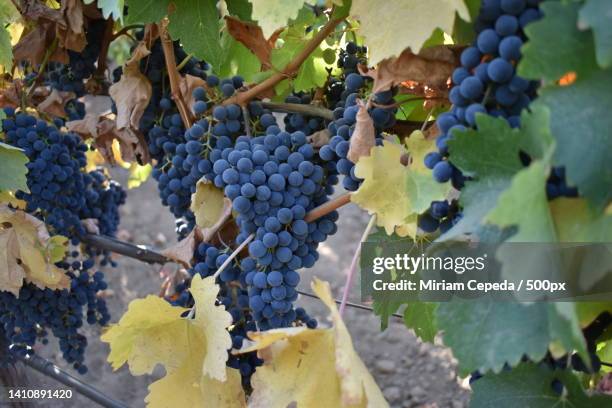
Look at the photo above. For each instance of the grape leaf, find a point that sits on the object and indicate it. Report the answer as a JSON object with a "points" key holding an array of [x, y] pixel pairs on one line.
{"points": [[146, 11], [418, 147], [240, 8], [391, 190], [208, 204], [412, 20], [292, 354], [556, 46], [28, 252], [583, 144], [525, 205], [421, 317], [490, 151], [530, 385], [196, 23], [13, 168], [153, 332], [274, 14], [138, 174], [504, 332], [109, 8], [597, 15]]}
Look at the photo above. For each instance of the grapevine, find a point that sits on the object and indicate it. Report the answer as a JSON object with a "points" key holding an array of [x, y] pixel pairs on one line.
{"points": [[472, 122]]}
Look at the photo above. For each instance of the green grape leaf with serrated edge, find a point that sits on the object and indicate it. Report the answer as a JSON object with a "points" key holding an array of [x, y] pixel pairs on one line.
{"points": [[556, 46], [421, 317], [504, 332], [597, 15], [274, 14], [530, 385]]}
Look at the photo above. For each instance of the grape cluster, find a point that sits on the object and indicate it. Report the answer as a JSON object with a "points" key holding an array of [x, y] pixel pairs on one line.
{"points": [[55, 179], [28, 317]]}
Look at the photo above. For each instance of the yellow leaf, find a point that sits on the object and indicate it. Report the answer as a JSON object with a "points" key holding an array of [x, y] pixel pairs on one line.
{"points": [[413, 20], [306, 367], [192, 350], [382, 189], [392, 191], [28, 252], [418, 147], [208, 204], [8, 197], [138, 174]]}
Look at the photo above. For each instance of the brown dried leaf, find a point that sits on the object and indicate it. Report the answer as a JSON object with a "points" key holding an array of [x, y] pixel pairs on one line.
{"points": [[182, 252], [33, 46], [54, 103], [431, 67], [71, 36], [319, 138], [251, 36], [133, 91], [36, 10], [28, 252], [364, 136], [186, 86], [9, 97], [209, 233]]}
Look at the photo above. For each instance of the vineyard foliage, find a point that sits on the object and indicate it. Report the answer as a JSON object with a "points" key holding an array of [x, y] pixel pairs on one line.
{"points": [[445, 120]]}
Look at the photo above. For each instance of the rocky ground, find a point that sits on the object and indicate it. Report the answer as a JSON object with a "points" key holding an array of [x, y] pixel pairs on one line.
{"points": [[410, 373]]}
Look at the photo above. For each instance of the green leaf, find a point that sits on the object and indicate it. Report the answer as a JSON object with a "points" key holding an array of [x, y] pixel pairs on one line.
{"points": [[530, 385], [312, 73], [597, 15], [556, 46], [411, 20], [477, 198], [13, 168], [146, 11], [422, 189], [240, 8], [485, 334], [112, 8], [196, 23], [525, 205], [237, 59], [580, 124], [490, 151], [421, 318], [274, 14]]}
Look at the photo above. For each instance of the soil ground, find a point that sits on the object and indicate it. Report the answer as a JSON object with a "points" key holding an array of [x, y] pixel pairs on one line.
{"points": [[410, 373]]}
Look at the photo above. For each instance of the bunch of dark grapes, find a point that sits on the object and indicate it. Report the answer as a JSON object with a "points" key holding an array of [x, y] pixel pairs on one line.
{"points": [[485, 83], [30, 316], [55, 179], [61, 194]]}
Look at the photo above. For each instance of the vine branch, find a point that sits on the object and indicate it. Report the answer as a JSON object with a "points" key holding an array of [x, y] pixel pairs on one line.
{"points": [[173, 73], [309, 110], [106, 40], [290, 69]]}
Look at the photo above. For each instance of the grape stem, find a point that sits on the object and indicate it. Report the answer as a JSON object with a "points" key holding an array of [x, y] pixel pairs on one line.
{"points": [[353, 268], [290, 69], [327, 207], [233, 255], [308, 110], [247, 121], [173, 74]]}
